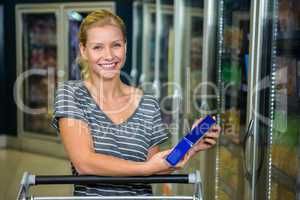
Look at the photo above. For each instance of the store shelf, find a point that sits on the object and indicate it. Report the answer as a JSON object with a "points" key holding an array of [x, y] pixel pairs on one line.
{"points": [[283, 179]]}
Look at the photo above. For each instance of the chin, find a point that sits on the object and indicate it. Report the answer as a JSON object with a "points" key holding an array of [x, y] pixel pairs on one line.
{"points": [[109, 75]]}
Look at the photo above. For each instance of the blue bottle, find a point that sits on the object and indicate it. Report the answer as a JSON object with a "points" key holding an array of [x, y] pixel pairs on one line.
{"points": [[189, 140]]}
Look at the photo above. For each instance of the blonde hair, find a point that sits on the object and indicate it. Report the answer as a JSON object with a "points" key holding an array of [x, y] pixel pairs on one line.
{"points": [[97, 19]]}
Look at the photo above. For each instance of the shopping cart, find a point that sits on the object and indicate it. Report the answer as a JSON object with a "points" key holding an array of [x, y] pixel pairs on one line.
{"points": [[31, 180]]}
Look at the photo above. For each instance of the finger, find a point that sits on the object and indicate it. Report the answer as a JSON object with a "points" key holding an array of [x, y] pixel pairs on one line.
{"points": [[213, 134], [165, 152], [184, 160], [210, 141], [217, 128], [198, 120], [205, 143], [192, 150], [186, 157], [181, 164], [203, 147]]}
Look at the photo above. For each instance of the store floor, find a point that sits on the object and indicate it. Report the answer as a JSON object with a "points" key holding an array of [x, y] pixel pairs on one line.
{"points": [[14, 163]]}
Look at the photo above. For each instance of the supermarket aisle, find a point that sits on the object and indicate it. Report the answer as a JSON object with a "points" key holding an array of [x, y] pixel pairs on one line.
{"points": [[12, 165]]}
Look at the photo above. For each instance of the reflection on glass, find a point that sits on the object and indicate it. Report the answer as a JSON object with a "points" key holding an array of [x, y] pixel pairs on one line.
{"points": [[165, 56], [228, 172], [286, 129], [165, 77], [137, 42], [191, 75], [166, 63], [193, 67], [39, 44], [149, 29], [74, 20], [233, 59], [151, 47], [193, 62]]}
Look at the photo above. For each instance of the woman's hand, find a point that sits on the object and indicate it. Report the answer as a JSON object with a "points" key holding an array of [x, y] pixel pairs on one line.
{"points": [[208, 141], [157, 164]]}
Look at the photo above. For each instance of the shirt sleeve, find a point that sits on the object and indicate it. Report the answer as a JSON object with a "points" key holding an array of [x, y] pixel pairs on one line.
{"points": [[66, 105], [159, 132]]}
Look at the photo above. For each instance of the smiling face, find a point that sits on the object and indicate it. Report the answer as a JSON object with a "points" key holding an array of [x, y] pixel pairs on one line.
{"points": [[104, 51]]}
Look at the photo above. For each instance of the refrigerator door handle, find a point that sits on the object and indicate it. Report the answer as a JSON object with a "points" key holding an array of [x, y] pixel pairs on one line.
{"points": [[261, 154], [247, 149]]}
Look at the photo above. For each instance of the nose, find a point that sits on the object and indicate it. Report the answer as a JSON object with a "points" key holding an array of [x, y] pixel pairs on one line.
{"points": [[108, 54]]}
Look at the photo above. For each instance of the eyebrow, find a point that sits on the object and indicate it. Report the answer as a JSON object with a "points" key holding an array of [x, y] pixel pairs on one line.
{"points": [[99, 43], [121, 40]]}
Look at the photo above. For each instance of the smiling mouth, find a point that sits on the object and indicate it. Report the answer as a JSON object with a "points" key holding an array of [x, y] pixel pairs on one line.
{"points": [[108, 66]]}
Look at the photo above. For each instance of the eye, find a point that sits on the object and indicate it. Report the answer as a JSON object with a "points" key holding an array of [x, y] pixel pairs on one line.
{"points": [[97, 48], [117, 45]]}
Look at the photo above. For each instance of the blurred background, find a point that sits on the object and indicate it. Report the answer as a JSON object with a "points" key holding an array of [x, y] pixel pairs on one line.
{"points": [[236, 59]]}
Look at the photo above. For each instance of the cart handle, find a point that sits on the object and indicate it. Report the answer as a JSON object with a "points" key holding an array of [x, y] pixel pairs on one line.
{"points": [[86, 179], [30, 179]]}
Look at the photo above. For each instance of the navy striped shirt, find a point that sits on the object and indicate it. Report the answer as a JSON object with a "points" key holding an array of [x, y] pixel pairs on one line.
{"points": [[129, 140]]}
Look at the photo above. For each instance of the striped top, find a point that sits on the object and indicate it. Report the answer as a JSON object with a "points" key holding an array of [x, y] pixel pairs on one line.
{"points": [[129, 140]]}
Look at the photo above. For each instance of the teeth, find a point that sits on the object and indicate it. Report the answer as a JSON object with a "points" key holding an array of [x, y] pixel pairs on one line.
{"points": [[108, 66]]}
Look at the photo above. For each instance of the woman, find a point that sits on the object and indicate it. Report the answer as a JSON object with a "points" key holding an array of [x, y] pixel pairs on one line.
{"points": [[109, 128]]}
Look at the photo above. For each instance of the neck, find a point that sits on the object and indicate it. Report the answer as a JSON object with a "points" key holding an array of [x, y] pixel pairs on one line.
{"points": [[106, 89]]}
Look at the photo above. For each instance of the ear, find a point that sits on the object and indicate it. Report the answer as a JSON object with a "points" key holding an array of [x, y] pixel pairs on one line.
{"points": [[82, 51]]}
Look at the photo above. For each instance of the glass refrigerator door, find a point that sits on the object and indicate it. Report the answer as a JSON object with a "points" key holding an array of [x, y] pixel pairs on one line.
{"points": [[163, 70], [157, 48], [148, 51], [37, 66], [192, 60], [74, 20], [157, 38], [137, 41], [191, 76], [46, 43], [163, 61], [233, 32], [280, 175], [157, 71]]}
